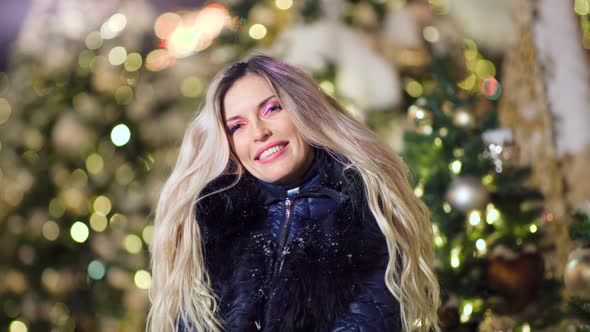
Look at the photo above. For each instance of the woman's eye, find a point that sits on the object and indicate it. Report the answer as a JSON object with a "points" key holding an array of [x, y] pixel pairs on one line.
{"points": [[232, 129], [272, 108]]}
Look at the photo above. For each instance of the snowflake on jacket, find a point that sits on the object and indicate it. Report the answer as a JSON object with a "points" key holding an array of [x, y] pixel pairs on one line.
{"points": [[313, 262]]}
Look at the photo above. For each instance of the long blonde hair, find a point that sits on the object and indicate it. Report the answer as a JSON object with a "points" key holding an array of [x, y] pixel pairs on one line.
{"points": [[181, 289]]}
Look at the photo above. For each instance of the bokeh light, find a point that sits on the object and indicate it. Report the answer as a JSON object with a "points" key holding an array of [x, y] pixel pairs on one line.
{"points": [[431, 34], [124, 95], [96, 270], [93, 40], [117, 55], [79, 232], [257, 31], [132, 243], [5, 110], [50, 230], [113, 26], [143, 279], [120, 135], [192, 32], [94, 163], [18, 326], [147, 234], [133, 62], [158, 60], [102, 205], [284, 4], [98, 222]]}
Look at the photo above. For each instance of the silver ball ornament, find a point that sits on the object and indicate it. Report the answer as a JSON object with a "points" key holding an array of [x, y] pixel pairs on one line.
{"points": [[467, 193]]}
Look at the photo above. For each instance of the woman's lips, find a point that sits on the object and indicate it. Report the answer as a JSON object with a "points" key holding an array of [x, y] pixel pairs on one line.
{"points": [[274, 155]]}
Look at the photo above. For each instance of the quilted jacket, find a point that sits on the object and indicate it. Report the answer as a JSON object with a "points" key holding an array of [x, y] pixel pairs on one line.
{"points": [[308, 257]]}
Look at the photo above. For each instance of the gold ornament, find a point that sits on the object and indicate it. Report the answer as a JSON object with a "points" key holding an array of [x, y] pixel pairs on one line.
{"points": [[577, 273], [467, 193]]}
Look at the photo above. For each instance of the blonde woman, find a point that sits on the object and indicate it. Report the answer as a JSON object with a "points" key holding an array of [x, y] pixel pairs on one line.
{"points": [[283, 213]]}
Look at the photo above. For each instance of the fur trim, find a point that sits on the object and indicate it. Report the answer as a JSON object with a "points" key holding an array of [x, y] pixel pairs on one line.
{"points": [[323, 267]]}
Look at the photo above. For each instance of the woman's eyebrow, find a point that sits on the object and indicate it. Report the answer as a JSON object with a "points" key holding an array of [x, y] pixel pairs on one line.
{"points": [[264, 101]]}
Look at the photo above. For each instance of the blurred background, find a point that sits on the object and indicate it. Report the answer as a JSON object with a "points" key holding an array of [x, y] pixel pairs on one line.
{"points": [[487, 101]]}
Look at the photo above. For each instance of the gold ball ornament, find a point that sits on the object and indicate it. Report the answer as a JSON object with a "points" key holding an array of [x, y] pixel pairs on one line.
{"points": [[577, 273], [467, 193]]}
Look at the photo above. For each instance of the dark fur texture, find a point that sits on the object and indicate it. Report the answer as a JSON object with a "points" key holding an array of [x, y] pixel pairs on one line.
{"points": [[323, 268]]}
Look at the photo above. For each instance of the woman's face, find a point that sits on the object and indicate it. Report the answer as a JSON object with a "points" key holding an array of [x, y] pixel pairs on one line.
{"points": [[262, 134]]}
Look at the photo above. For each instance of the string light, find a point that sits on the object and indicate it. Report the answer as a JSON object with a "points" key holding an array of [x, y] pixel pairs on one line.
{"points": [[474, 217], [455, 167], [143, 279]]}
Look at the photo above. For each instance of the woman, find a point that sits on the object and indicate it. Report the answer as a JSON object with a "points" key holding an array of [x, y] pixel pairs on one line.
{"points": [[283, 213]]}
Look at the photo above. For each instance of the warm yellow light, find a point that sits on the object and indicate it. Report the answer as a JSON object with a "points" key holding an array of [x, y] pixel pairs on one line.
{"points": [[102, 205], [455, 167], [455, 262], [143, 279], [414, 89], [147, 234], [438, 142], [98, 222], [533, 228], [17, 326], [79, 232], [526, 327], [474, 217], [257, 31], [284, 4], [94, 163], [443, 132], [132, 244], [419, 191], [447, 207], [492, 214]]}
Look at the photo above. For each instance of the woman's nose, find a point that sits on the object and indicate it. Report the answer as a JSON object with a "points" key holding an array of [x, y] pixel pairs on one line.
{"points": [[260, 132]]}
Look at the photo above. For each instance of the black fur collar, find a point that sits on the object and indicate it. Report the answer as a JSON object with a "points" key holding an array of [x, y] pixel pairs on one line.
{"points": [[322, 270]]}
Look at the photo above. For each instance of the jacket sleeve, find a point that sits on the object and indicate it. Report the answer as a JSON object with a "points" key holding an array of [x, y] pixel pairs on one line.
{"points": [[374, 310]]}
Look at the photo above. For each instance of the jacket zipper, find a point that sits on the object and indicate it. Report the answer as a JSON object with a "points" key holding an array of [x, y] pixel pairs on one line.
{"points": [[283, 236]]}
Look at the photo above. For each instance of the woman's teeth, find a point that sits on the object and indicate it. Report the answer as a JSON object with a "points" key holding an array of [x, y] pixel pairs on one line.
{"points": [[270, 151]]}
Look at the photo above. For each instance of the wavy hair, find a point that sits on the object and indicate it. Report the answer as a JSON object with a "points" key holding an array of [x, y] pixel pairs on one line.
{"points": [[181, 288]]}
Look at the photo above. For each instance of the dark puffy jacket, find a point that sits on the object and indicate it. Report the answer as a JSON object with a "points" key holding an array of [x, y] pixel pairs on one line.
{"points": [[308, 259]]}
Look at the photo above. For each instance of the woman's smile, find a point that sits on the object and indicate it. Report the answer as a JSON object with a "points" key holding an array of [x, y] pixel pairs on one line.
{"points": [[261, 133]]}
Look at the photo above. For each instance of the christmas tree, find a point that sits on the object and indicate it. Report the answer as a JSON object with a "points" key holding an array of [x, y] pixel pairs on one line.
{"points": [[97, 97], [487, 220]]}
